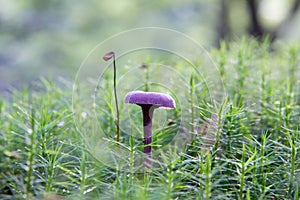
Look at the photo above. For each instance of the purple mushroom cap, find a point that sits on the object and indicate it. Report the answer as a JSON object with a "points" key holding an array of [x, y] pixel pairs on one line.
{"points": [[148, 102], [150, 98]]}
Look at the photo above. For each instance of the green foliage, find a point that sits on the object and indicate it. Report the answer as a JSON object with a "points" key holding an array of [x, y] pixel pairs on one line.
{"points": [[243, 147]]}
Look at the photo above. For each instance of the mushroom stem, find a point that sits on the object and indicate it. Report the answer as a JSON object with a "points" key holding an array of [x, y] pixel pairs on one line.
{"points": [[147, 110], [148, 102]]}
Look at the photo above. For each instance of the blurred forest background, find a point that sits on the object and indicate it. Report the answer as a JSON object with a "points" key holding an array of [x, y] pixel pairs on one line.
{"points": [[52, 37]]}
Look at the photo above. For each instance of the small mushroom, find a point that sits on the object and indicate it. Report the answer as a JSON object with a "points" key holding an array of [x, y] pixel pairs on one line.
{"points": [[148, 102]]}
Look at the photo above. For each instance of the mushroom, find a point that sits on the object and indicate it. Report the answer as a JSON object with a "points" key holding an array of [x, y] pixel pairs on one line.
{"points": [[148, 102]]}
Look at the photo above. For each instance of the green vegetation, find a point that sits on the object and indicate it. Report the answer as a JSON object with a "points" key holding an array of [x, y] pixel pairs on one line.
{"points": [[244, 147]]}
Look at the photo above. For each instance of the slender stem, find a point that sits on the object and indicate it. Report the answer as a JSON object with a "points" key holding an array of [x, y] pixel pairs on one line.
{"points": [[147, 78], [147, 110], [192, 91], [31, 155], [116, 100], [208, 174], [242, 178]]}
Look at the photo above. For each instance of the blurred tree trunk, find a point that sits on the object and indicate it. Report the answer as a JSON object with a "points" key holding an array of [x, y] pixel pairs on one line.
{"points": [[257, 30], [255, 27], [223, 26]]}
